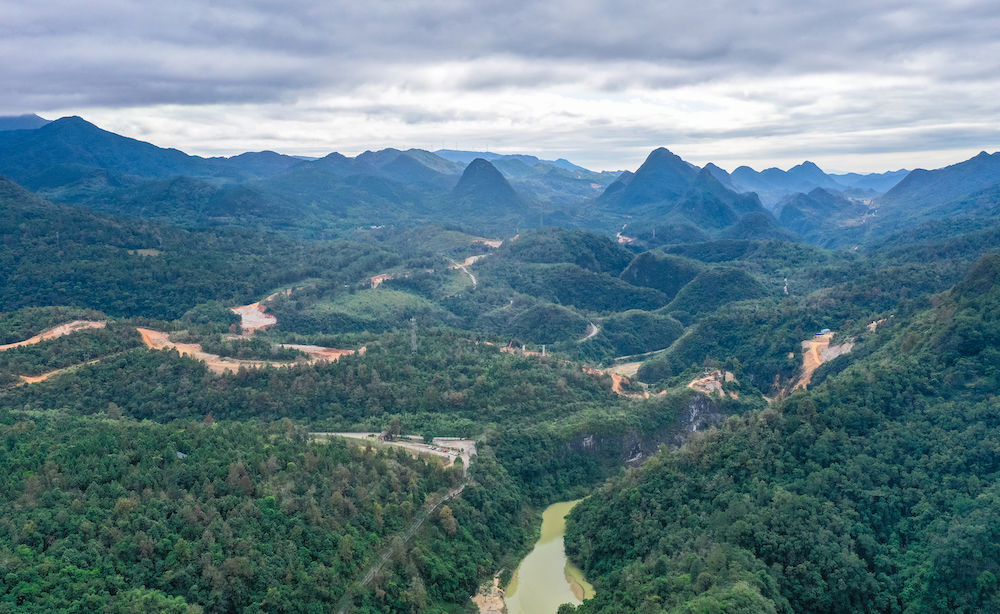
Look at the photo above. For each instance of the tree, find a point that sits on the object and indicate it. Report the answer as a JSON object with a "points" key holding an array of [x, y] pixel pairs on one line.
{"points": [[448, 522]]}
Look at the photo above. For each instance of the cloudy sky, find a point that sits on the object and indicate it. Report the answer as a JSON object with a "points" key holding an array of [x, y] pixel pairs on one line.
{"points": [[766, 83]]}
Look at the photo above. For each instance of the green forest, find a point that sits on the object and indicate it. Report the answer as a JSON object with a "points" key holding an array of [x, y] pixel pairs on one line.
{"points": [[663, 376]]}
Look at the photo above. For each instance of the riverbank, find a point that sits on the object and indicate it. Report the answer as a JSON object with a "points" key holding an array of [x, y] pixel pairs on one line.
{"points": [[546, 578]]}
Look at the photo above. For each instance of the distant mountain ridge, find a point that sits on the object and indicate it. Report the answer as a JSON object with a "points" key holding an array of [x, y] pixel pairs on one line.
{"points": [[464, 157], [673, 201], [663, 176], [877, 182], [923, 187], [481, 185], [665, 200], [29, 121]]}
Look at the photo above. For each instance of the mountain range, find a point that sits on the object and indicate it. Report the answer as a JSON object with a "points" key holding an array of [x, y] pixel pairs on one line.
{"points": [[790, 404], [666, 200]]}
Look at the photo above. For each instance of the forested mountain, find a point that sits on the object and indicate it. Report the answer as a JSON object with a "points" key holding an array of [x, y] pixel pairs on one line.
{"points": [[53, 153], [874, 182], [482, 187], [774, 185], [787, 411], [800, 178], [966, 189], [872, 493], [921, 187], [664, 176], [703, 210], [666, 200], [28, 121], [820, 214]]}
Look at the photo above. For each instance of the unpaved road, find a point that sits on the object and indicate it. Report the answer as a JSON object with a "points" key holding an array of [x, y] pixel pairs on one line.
{"points": [[434, 502], [58, 331], [617, 381], [318, 352], [34, 379], [447, 448], [52, 333], [376, 280], [625, 369], [592, 330], [464, 267], [815, 352], [158, 340], [254, 317]]}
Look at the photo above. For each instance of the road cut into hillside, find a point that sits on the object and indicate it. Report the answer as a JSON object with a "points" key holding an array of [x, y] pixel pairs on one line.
{"points": [[34, 379], [620, 376], [254, 317], [58, 331], [158, 340], [464, 266], [815, 352], [592, 330], [449, 449]]}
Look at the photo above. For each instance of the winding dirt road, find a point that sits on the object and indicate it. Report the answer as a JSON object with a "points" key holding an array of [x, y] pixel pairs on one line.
{"points": [[58, 331], [158, 340], [465, 267], [592, 330]]}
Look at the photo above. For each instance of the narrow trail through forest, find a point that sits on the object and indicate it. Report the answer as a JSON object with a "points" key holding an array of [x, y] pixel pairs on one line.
{"points": [[400, 540], [376, 280]]}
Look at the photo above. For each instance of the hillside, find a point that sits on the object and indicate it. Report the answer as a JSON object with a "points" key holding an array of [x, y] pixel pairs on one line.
{"points": [[28, 121], [820, 215], [662, 177], [759, 423], [802, 507], [922, 188]]}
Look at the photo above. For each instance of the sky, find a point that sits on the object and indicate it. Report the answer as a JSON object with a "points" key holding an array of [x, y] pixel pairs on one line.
{"points": [[602, 83]]}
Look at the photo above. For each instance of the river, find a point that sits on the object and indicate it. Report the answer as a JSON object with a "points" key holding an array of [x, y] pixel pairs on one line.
{"points": [[545, 579]]}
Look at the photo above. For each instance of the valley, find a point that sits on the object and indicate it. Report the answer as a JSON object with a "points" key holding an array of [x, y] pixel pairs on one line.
{"points": [[760, 391]]}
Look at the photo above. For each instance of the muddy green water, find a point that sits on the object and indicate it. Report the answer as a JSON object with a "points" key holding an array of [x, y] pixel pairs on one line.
{"points": [[545, 578]]}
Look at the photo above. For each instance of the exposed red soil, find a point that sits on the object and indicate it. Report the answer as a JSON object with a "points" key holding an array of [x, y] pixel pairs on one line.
{"points": [[58, 331], [158, 340]]}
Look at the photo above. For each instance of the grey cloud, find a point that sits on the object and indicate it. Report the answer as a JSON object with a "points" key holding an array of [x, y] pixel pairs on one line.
{"points": [[270, 50], [944, 58]]}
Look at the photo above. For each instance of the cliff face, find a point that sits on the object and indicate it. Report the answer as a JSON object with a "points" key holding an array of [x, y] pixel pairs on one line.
{"points": [[633, 446]]}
